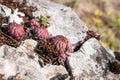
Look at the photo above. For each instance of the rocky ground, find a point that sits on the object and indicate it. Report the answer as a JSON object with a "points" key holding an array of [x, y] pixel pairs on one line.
{"points": [[89, 60]]}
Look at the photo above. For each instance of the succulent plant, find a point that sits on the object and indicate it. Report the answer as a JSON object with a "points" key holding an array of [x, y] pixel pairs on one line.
{"points": [[42, 32], [62, 45], [63, 55], [114, 67], [78, 45], [92, 34], [50, 55], [16, 30], [38, 21], [49, 52], [42, 21], [34, 22]]}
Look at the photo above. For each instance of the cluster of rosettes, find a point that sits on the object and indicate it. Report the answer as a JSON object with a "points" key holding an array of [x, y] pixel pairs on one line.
{"points": [[57, 45], [54, 49], [63, 45], [39, 21], [16, 30], [40, 27]]}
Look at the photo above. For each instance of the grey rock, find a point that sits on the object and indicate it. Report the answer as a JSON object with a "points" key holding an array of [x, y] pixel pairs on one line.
{"points": [[63, 20], [90, 62], [16, 61], [84, 62], [15, 18], [4, 10]]}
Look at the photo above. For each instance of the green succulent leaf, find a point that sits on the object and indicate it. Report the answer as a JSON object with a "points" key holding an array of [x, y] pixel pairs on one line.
{"points": [[42, 20], [37, 19]]}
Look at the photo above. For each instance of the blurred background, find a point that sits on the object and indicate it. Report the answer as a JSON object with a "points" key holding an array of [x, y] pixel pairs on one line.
{"points": [[101, 16]]}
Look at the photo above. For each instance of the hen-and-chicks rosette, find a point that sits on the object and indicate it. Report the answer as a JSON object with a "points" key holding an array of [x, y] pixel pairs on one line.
{"points": [[63, 45], [39, 28], [16, 30]]}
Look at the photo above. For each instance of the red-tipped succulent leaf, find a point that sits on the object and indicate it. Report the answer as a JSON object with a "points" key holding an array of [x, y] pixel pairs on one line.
{"points": [[33, 22]]}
